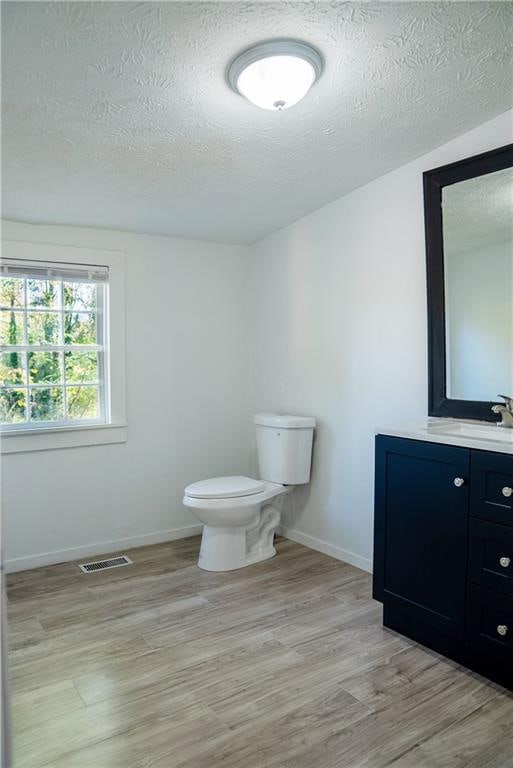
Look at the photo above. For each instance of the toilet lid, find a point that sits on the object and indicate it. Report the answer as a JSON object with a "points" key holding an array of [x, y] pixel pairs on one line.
{"points": [[224, 487]]}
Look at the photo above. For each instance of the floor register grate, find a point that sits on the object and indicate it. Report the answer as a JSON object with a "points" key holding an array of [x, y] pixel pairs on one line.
{"points": [[102, 565]]}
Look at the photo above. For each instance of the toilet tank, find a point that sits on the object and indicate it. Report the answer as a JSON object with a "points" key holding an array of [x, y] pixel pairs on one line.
{"points": [[284, 447]]}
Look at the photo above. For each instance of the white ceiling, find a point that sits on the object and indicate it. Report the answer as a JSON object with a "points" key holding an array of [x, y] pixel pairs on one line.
{"points": [[116, 114]]}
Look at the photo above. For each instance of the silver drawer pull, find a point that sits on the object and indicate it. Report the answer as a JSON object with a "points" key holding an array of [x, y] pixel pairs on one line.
{"points": [[502, 630], [507, 491], [458, 482], [505, 561]]}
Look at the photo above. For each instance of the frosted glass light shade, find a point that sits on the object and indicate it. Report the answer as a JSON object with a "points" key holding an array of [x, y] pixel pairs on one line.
{"points": [[277, 82], [275, 75]]}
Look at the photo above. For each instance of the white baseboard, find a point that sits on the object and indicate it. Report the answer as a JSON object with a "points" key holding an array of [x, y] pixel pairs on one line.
{"points": [[326, 548], [171, 534], [104, 547]]}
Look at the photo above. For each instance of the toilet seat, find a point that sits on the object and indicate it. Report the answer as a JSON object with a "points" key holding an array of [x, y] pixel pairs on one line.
{"points": [[233, 486]]}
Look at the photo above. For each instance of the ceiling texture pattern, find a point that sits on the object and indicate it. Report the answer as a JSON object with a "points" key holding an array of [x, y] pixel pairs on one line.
{"points": [[117, 114]]}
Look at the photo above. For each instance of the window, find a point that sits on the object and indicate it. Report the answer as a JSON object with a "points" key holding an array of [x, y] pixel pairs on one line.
{"points": [[62, 347], [53, 330]]}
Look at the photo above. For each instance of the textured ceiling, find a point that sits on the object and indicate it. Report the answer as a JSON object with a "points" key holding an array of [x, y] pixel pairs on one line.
{"points": [[478, 212], [116, 114]]}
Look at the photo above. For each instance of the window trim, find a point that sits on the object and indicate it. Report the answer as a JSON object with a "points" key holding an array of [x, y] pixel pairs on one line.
{"points": [[113, 428]]}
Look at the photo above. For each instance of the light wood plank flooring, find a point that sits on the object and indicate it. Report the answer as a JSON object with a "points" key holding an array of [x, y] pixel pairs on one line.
{"points": [[283, 664]]}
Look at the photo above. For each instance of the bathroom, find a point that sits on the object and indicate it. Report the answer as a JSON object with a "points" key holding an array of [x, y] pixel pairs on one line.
{"points": [[259, 262]]}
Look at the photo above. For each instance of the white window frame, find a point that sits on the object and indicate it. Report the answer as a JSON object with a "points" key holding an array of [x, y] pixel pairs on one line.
{"points": [[112, 428]]}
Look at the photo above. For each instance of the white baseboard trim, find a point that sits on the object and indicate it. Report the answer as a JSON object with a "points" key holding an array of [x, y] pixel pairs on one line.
{"points": [[104, 547], [326, 548]]}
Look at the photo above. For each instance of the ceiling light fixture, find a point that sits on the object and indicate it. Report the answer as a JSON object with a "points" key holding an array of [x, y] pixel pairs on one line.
{"points": [[275, 75]]}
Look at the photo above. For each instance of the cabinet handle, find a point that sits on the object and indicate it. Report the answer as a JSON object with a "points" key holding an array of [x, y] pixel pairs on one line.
{"points": [[458, 482], [502, 630], [505, 561], [507, 492]]}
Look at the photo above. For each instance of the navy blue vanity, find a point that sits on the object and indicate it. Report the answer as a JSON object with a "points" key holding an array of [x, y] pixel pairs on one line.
{"points": [[443, 549], [443, 541]]}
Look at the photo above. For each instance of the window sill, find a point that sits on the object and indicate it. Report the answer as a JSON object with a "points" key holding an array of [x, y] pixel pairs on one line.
{"points": [[62, 437]]}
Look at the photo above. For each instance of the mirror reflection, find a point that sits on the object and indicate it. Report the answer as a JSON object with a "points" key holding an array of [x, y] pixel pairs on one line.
{"points": [[478, 273]]}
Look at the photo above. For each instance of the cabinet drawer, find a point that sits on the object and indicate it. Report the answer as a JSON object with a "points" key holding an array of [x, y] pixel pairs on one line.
{"points": [[490, 634], [491, 555], [490, 624], [491, 496]]}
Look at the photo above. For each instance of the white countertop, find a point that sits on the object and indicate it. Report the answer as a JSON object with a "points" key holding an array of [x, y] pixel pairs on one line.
{"points": [[481, 435]]}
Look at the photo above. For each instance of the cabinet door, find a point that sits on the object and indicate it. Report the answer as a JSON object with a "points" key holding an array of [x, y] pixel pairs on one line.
{"points": [[420, 546]]}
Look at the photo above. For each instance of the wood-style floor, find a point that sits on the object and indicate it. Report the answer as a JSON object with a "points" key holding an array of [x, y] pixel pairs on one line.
{"points": [[282, 664]]}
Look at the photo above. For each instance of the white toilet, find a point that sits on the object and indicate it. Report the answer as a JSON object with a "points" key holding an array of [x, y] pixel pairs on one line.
{"points": [[240, 515]]}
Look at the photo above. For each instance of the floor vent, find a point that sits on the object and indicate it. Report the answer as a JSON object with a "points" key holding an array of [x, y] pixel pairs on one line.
{"points": [[102, 565]]}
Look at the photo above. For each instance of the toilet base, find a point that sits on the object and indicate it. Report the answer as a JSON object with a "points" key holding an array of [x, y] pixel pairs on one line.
{"points": [[226, 549]]}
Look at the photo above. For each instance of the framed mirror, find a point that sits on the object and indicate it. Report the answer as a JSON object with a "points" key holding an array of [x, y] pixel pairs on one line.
{"points": [[468, 210]]}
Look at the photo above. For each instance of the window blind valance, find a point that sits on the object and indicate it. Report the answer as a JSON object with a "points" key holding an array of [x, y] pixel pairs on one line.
{"points": [[46, 270]]}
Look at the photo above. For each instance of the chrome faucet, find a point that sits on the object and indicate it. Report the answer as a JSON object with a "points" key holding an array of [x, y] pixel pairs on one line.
{"points": [[506, 411]]}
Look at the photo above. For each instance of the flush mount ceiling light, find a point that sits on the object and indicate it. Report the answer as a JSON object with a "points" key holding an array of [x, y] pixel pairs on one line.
{"points": [[275, 75]]}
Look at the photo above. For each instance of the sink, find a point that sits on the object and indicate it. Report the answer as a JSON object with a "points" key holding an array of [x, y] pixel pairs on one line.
{"points": [[459, 432], [490, 433]]}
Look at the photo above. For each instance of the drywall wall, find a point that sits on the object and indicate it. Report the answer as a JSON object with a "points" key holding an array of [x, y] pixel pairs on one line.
{"points": [[188, 406], [479, 312], [339, 333]]}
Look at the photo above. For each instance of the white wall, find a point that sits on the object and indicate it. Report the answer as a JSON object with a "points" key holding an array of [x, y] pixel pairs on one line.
{"points": [[339, 312], [479, 307], [188, 396]]}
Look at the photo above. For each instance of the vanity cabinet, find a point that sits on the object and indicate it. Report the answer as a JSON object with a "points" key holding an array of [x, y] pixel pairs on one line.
{"points": [[443, 550]]}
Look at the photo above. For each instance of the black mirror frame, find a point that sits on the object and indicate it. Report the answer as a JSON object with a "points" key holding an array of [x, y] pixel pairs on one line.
{"points": [[434, 181]]}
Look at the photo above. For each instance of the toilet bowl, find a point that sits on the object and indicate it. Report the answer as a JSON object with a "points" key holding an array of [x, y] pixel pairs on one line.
{"points": [[238, 528], [240, 514]]}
